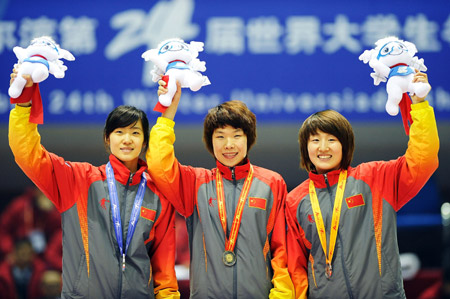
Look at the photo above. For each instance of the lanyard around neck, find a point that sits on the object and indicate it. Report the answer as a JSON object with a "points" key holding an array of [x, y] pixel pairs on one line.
{"points": [[116, 211], [334, 220], [231, 242]]}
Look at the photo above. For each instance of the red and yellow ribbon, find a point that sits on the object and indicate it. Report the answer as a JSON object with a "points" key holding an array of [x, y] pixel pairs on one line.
{"points": [[334, 220], [231, 242]]}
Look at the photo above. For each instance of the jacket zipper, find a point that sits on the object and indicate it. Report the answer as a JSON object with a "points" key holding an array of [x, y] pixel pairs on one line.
{"points": [[233, 177], [125, 191], [347, 282]]}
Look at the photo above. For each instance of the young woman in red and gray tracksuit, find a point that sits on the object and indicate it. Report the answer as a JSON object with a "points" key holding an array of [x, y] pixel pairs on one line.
{"points": [[104, 255], [234, 212], [342, 233]]}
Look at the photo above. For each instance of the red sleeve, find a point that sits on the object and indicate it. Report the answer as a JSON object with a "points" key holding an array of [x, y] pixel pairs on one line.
{"points": [[296, 249], [283, 287], [162, 253]]}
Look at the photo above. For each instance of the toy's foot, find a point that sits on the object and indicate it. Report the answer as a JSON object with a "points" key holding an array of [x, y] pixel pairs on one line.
{"points": [[422, 89], [165, 99], [392, 109], [14, 92]]}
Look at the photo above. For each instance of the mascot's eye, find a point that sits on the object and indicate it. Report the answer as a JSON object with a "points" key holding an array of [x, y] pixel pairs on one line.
{"points": [[386, 50], [165, 48]]}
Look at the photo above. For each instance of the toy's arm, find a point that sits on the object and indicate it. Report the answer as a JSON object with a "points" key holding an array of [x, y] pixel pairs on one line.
{"points": [[198, 46], [20, 53], [380, 74], [197, 65], [195, 47], [377, 78], [152, 55], [66, 55], [57, 68], [156, 74], [418, 64], [379, 67]]}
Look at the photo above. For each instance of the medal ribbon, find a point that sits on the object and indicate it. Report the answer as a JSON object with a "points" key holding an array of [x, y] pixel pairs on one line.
{"points": [[231, 242], [335, 218], [116, 211]]}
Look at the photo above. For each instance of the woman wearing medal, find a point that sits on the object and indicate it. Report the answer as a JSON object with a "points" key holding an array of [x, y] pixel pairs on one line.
{"points": [[342, 234], [234, 212], [118, 232]]}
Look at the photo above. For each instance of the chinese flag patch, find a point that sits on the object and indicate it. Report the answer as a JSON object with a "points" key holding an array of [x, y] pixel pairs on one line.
{"points": [[148, 214], [256, 202], [355, 201]]}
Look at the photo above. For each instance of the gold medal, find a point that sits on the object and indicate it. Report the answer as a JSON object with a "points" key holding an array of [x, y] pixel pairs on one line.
{"points": [[229, 258]]}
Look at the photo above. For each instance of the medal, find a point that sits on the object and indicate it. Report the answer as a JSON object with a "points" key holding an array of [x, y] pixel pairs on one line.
{"points": [[328, 271], [229, 258], [115, 211], [334, 220]]}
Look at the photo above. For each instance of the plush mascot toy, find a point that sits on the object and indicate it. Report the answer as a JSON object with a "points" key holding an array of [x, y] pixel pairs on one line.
{"points": [[39, 59], [175, 61], [393, 61]]}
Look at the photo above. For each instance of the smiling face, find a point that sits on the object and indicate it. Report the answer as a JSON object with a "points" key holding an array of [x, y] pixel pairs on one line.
{"points": [[126, 144], [230, 145], [325, 152]]}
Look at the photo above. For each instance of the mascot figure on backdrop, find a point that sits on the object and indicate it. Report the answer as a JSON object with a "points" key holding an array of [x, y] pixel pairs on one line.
{"points": [[393, 61], [39, 59], [175, 61]]}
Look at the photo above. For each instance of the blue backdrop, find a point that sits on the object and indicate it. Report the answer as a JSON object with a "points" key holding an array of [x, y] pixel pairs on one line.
{"points": [[285, 59]]}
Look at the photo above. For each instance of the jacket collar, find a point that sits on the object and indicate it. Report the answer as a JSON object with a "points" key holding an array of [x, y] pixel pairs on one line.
{"points": [[319, 179], [122, 173], [240, 171]]}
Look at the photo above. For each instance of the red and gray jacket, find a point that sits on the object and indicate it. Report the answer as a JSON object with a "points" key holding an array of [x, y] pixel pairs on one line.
{"points": [[366, 260], [92, 265], [260, 270]]}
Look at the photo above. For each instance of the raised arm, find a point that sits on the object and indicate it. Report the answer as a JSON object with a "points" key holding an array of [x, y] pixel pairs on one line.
{"points": [[175, 181], [45, 169], [412, 171]]}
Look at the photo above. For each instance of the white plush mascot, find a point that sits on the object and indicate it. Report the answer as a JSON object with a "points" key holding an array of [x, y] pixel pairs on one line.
{"points": [[39, 59], [175, 61], [393, 61]]}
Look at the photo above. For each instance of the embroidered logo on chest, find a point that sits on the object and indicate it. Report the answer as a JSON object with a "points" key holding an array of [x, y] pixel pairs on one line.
{"points": [[210, 202], [103, 203]]}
